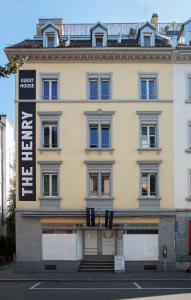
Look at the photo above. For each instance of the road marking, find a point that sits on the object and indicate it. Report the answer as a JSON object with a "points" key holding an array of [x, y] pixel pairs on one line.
{"points": [[33, 287], [137, 285]]}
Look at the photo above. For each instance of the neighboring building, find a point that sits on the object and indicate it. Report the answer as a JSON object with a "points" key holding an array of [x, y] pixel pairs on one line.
{"points": [[94, 106], [7, 160], [182, 143]]}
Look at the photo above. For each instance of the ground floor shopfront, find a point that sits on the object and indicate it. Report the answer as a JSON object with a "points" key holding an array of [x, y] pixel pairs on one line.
{"points": [[56, 241]]}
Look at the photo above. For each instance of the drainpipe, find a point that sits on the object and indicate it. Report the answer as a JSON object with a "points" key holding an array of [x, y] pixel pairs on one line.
{"points": [[2, 126]]}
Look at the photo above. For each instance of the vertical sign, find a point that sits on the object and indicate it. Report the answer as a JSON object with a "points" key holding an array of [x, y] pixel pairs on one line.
{"points": [[90, 217], [108, 219], [27, 135]]}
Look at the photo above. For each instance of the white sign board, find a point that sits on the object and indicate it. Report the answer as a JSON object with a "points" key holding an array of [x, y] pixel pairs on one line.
{"points": [[119, 263]]}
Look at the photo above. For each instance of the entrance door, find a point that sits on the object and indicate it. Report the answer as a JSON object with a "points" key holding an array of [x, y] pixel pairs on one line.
{"points": [[90, 242], [108, 242]]}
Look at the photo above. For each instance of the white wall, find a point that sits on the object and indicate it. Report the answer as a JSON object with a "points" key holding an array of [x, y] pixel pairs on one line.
{"points": [[59, 246], [138, 247], [79, 245], [182, 114]]}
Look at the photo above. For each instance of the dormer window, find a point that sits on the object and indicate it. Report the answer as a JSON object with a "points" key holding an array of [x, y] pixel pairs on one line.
{"points": [[146, 35], [99, 40], [99, 36], [50, 40], [147, 40]]}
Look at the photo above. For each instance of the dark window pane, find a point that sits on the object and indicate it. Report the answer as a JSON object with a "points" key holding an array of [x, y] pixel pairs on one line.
{"points": [[93, 137], [46, 185], [152, 142], [147, 41], [105, 133], [105, 89], [93, 89], [143, 89], [99, 41], [50, 42], [152, 89], [144, 184], [152, 132], [46, 137], [93, 184], [46, 90], [54, 90], [54, 137], [144, 139], [54, 185], [153, 184]]}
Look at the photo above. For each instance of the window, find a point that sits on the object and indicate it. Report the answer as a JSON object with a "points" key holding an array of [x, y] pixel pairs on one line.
{"points": [[50, 182], [99, 129], [99, 40], [50, 40], [147, 40], [49, 130], [148, 184], [99, 180], [50, 135], [50, 88], [148, 88], [99, 86], [149, 180], [149, 130], [148, 136], [50, 185]]}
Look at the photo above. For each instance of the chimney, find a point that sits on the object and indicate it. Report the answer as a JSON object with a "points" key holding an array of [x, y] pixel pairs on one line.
{"points": [[155, 19]]}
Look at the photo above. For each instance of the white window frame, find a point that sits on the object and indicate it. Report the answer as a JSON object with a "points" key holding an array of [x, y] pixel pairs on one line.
{"points": [[99, 77], [50, 185], [50, 77], [148, 126], [49, 168], [50, 125], [149, 174], [148, 77], [99, 124]]}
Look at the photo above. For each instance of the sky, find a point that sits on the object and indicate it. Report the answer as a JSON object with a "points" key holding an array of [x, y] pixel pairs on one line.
{"points": [[18, 20]]}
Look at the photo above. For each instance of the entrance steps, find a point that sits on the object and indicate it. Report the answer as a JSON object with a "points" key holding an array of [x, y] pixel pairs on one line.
{"points": [[90, 265]]}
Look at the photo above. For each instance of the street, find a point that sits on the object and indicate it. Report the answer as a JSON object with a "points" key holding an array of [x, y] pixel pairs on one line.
{"points": [[93, 290]]}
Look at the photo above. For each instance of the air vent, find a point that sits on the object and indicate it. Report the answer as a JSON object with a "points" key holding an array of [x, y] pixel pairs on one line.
{"points": [[50, 267]]}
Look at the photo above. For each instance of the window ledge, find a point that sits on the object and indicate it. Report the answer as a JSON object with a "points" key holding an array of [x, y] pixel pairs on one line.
{"points": [[99, 149], [149, 149], [58, 150], [188, 198], [188, 150], [100, 198], [150, 198], [50, 198]]}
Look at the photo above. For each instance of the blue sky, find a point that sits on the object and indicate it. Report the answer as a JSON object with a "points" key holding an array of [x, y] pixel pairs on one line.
{"points": [[19, 17]]}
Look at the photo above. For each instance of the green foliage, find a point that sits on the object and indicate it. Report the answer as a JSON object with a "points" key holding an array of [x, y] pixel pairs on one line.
{"points": [[10, 213], [11, 68], [7, 246]]}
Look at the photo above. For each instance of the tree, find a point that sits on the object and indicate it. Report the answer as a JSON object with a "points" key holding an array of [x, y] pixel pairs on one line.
{"points": [[10, 213], [11, 68]]}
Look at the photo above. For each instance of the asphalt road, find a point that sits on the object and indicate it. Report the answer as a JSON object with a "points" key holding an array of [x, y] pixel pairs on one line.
{"points": [[92, 290]]}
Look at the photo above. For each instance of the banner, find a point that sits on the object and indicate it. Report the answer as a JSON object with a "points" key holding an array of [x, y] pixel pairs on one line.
{"points": [[27, 84], [108, 219], [27, 136], [90, 217]]}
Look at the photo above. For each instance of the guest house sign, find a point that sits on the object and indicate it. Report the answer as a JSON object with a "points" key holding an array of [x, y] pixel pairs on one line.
{"points": [[27, 135]]}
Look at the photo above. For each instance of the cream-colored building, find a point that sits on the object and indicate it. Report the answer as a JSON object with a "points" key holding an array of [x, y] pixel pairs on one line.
{"points": [[94, 106]]}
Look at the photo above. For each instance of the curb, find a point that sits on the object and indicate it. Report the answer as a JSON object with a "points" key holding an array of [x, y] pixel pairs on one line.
{"points": [[94, 280]]}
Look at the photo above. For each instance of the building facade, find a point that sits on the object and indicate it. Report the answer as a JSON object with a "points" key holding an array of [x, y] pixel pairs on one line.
{"points": [[7, 166], [95, 145]]}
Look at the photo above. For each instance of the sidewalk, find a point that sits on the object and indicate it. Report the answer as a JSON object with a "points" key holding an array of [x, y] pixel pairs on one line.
{"points": [[7, 273]]}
